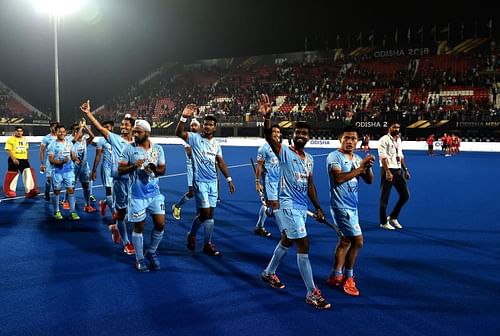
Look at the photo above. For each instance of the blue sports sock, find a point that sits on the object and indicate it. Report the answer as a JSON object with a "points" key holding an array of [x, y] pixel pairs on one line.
{"points": [[209, 228], [86, 195], [336, 273], [47, 186], [182, 201], [349, 273], [156, 237], [279, 253], [138, 241], [122, 228], [195, 226], [72, 201], [56, 202], [262, 216], [109, 202], [306, 271], [91, 186]]}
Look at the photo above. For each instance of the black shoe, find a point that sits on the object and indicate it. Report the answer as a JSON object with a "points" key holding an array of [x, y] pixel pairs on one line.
{"points": [[262, 232], [141, 265], [154, 263]]}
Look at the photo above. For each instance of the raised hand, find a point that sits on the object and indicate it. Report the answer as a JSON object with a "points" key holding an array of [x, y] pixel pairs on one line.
{"points": [[85, 107], [189, 110], [264, 105], [82, 123]]}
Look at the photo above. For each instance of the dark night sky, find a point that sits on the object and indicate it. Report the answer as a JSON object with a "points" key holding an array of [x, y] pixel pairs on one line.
{"points": [[113, 43]]}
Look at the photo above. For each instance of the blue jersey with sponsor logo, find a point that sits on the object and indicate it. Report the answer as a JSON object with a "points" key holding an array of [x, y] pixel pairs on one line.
{"points": [[141, 184], [294, 184], [271, 165], [343, 195], [203, 157], [61, 150]]}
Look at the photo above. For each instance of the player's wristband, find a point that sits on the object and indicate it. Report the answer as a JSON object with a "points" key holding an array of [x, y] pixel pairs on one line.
{"points": [[229, 179], [183, 119]]}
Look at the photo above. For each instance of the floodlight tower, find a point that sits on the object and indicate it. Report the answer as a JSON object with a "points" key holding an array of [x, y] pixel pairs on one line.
{"points": [[57, 9]]}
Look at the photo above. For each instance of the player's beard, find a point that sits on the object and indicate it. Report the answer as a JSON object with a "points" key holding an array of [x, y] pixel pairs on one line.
{"points": [[141, 140], [299, 144]]}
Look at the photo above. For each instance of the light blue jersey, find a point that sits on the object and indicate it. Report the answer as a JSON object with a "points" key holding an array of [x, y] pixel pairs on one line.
{"points": [[107, 161], [343, 195], [107, 153], [120, 182], [82, 170], [80, 149], [271, 165], [47, 140], [141, 184], [117, 144], [203, 152], [295, 174], [61, 150]]}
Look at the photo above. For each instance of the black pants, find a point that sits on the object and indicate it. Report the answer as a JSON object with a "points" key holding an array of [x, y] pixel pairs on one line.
{"points": [[399, 182]]}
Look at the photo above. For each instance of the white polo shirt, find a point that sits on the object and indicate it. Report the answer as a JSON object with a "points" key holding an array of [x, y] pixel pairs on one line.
{"points": [[390, 148]]}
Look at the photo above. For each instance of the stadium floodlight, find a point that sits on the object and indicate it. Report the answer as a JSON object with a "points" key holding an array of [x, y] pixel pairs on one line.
{"points": [[57, 9]]}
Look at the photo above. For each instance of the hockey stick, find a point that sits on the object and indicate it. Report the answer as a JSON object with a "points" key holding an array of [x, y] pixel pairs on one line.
{"points": [[309, 212], [327, 223], [261, 194]]}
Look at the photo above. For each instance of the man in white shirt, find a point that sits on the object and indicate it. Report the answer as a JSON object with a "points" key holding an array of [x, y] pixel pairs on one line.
{"points": [[394, 173]]}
